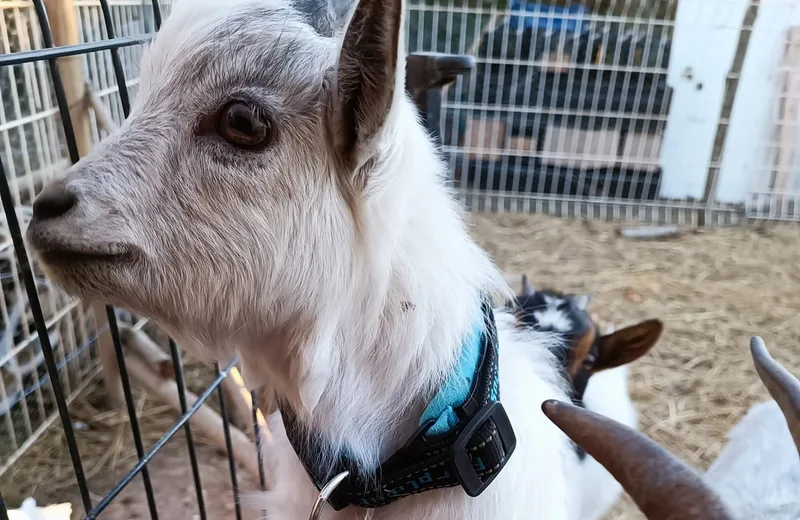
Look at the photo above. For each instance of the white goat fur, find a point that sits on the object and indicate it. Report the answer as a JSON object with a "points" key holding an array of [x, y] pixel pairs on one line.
{"points": [[264, 255], [606, 394], [757, 474]]}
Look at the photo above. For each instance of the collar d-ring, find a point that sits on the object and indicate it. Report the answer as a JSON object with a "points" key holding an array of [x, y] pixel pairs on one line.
{"points": [[325, 493]]}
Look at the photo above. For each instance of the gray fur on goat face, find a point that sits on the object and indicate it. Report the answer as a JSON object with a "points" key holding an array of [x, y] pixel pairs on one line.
{"points": [[204, 229], [327, 17]]}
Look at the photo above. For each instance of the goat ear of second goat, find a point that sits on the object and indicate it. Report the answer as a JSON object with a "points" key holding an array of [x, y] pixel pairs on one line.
{"points": [[627, 345]]}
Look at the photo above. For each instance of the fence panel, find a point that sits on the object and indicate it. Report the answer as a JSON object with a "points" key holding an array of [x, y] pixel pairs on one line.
{"points": [[567, 109], [775, 189], [34, 150]]}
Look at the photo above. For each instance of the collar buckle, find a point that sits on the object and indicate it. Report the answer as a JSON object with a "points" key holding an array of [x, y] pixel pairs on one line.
{"points": [[473, 483]]}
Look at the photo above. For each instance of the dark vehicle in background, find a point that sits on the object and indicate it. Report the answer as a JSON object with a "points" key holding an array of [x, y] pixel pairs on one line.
{"points": [[562, 102]]}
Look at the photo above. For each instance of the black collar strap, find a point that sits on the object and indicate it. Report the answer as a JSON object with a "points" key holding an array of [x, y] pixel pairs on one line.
{"points": [[470, 452]]}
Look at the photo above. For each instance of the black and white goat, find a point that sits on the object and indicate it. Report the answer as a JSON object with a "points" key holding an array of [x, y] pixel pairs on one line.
{"points": [[595, 365]]}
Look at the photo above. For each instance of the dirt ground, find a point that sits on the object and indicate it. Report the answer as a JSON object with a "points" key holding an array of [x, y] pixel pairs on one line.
{"points": [[713, 289]]}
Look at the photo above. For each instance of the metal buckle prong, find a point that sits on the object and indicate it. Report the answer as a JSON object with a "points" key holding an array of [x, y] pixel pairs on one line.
{"points": [[325, 493]]}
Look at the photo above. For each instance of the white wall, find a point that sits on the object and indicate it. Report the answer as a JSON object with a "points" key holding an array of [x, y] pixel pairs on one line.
{"points": [[744, 161], [703, 47]]}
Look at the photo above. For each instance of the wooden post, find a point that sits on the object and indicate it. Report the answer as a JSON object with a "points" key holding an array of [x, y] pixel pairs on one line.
{"points": [[63, 17]]}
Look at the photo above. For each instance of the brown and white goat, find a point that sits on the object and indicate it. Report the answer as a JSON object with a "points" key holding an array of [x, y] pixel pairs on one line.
{"points": [[273, 194], [596, 367], [665, 488]]}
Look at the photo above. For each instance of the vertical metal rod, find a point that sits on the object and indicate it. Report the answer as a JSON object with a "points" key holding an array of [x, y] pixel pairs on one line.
{"points": [[25, 267], [131, 405], [262, 478], [176, 363], [3, 510], [226, 426], [41, 329], [124, 96], [112, 318], [122, 484], [157, 14]]}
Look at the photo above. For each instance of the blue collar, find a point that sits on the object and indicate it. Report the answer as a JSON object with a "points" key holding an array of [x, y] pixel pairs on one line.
{"points": [[456, 388], [464, 439]]}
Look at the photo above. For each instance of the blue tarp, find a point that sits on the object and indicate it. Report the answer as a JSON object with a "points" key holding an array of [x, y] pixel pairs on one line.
{"points": [[568, 19]]}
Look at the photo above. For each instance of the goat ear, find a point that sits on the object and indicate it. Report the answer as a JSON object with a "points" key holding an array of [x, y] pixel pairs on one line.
{"points": [[661, 485], [629, 344], [582, 301], [782, 386], [368, 75], [527, 288]]}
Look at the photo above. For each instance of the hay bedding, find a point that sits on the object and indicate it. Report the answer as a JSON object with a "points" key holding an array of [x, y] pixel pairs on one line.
{"points": [[713, 289]]}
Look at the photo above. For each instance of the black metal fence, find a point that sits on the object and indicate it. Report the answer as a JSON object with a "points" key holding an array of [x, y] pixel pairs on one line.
{"points": [[427, 75]]}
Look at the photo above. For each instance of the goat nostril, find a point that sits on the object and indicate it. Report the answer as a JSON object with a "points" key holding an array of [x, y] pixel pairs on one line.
{"points": [[54, 201]]}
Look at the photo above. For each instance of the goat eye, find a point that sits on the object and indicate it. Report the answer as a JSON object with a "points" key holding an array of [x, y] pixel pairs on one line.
{"points": [[243, 127]]}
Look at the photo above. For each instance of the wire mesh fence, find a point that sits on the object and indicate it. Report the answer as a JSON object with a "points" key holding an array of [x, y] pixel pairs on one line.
{"points": [[49, 339], [576, 109], [567, 112], [777, 192], [36, 148]]}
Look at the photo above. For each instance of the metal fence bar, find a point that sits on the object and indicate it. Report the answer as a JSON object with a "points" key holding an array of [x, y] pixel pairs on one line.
{"points": [[26, 269], [58, 85], [262, 478], [52, 53], [131, 405], [156, 14], [112, 318], [106, 501], [118, 71], [226, 427], [44, 339], [3, 509], [198, 487]]}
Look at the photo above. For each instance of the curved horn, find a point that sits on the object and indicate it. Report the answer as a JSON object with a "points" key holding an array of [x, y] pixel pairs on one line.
{"points": [[782, 386], [527, 288], [583, 300], [662, 486]]}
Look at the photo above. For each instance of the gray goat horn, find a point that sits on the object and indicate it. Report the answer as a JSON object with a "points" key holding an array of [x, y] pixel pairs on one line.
{"points": [[663, 487], [782, 386], [527, 288]]}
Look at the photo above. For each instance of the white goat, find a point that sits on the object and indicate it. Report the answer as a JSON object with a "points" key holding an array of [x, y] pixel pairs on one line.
{"points": [[595, 365], [757, 474], [273, 194], [748, 479]]}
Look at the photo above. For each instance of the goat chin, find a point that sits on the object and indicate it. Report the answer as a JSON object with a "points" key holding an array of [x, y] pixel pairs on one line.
{"points": [[757, 474], [606, 394], [532, 485]]}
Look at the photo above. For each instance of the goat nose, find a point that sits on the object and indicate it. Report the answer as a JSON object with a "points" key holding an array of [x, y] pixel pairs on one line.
{"points": [[54, 201]]}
